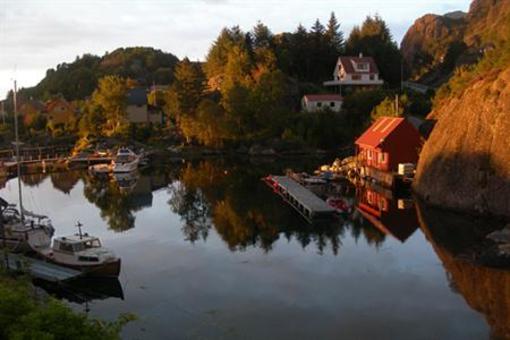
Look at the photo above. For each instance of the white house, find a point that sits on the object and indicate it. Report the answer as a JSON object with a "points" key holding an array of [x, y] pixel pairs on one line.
{"points": [[321, 102], [357, 71]]}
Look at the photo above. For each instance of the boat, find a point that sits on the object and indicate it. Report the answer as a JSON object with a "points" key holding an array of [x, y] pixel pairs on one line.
{"points": [[25, 232], [125, 161], [22, 230], [83, 252]]}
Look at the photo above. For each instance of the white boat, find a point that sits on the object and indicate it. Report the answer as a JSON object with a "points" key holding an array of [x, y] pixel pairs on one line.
{"points": [[21, 230], [84, 253], [125, 161], [23, 233]]}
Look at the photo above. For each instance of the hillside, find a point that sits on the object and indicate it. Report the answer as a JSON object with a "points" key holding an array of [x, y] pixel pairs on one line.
{"points": [[435, 45], [465, 164], [78, 79]]}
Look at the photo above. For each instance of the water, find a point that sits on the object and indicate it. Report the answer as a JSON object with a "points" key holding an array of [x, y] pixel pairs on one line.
{"points": [[209, 252]]}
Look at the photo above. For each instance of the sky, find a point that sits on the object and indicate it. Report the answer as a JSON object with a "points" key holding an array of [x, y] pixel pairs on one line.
{"points": [[36, 35]]}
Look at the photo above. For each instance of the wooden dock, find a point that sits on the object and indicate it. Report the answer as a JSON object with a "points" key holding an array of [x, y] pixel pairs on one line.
{"points": [[309, 205], [40, 269]]}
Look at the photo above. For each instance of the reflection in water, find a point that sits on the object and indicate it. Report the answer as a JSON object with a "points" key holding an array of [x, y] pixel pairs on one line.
{"points": [[84, 290], [233, 200], [65, 181], [395, 217], [120, 197], [225, 202], [484, 289]]}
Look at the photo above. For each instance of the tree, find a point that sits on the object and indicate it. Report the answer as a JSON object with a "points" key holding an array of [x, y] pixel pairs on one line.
{"points": [[389, 108], [262, 36], [374, 39], [110, 98], [334, 36], [188, 86]]}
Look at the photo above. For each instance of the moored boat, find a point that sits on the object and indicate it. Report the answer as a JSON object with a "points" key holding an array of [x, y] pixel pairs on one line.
{"points": [[125, 161], [84, 253]]}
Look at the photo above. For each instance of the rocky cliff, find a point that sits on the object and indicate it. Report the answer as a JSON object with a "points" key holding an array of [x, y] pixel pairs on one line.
{"points": [[436, 44], [429, 40], [465, 164]]}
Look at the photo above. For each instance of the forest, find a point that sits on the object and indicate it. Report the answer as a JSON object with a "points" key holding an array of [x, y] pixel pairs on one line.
{"points": [[247, 90]]}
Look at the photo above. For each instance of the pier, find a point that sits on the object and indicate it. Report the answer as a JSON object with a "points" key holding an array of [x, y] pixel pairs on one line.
{"points": [[309, 205], [41, 269]]}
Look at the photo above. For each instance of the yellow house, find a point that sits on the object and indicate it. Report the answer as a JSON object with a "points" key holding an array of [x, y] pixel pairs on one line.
{"points": [[60, 112]]}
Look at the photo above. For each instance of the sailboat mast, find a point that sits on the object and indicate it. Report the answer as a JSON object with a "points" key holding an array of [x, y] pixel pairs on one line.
{"points": [[17, 150]]}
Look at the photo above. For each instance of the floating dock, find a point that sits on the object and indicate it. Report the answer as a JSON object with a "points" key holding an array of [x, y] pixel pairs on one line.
{"points": [[40, 269], [309, 205]]}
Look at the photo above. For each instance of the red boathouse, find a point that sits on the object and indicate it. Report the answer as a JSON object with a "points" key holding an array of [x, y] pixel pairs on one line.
{"points": [[388, 142]]}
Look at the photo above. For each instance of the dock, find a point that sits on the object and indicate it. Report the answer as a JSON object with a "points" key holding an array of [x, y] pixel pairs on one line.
{"points": [[41, 269], [309, 205]]}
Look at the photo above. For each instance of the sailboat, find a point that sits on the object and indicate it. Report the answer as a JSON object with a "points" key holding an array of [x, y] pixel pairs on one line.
{"points": [[21, 230]]}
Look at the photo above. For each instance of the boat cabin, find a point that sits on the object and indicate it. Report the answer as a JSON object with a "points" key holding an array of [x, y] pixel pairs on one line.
{"points": [[76, 244]]}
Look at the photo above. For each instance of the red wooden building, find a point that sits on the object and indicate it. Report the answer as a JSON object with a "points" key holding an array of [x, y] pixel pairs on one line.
{"points": [[388, 142]]}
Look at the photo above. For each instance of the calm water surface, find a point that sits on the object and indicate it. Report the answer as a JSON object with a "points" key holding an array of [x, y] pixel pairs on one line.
{"points": [[209, 252]]}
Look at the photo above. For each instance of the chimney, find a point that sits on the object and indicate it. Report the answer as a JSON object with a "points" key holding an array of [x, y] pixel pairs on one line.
{"points": [[361, 54]]}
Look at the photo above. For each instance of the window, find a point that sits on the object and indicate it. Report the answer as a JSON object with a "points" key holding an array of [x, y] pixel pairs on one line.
{"points": [[356, 77], [332, 104], [382, 157], [66, 247], [88, 259], [369, 154], [372, 77], [319, 104], [362, 66]]}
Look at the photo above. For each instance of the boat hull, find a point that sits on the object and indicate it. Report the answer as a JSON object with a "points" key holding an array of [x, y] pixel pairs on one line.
{"points": [[107, 270]]}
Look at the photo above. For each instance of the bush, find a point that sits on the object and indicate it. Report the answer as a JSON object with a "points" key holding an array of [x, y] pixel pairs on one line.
{"points": [[23, 315]]}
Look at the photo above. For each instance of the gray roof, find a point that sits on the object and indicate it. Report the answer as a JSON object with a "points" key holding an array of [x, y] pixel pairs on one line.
{"points": [[137, 96]]}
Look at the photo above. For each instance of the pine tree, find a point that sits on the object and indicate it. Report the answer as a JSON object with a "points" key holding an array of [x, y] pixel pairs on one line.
{"points": [[262, 36], [334, 35]]}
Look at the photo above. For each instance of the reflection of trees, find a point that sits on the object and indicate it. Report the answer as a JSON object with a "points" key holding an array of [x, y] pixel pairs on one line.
{"points": [[243, 211], [116, 206], [484, 289], [65, 181], [33, 180], [193, 209]]}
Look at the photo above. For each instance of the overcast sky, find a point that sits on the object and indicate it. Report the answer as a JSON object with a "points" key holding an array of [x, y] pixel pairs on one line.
{"points": [[39, 34]]}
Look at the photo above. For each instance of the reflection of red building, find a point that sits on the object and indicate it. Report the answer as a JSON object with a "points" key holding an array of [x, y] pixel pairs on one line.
{"points": [[388, 142], [392, 217]]}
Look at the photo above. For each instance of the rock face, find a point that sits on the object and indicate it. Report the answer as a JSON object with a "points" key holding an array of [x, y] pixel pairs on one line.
{"points": [[428, 40], [435, 45], [465, 164]]}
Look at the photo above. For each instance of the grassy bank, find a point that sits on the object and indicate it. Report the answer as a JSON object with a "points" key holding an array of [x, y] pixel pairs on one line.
{"points": [[28, 314]]}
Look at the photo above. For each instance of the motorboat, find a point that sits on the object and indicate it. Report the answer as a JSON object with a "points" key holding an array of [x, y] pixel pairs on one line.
{"points": [[85, 253], [125, 161], [23, 233]]}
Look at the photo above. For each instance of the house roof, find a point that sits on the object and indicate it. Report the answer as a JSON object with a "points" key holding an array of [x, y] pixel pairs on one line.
{"points": [[379, 131], [137, 96], [323, 97], [348, 64], [50, 105]]}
